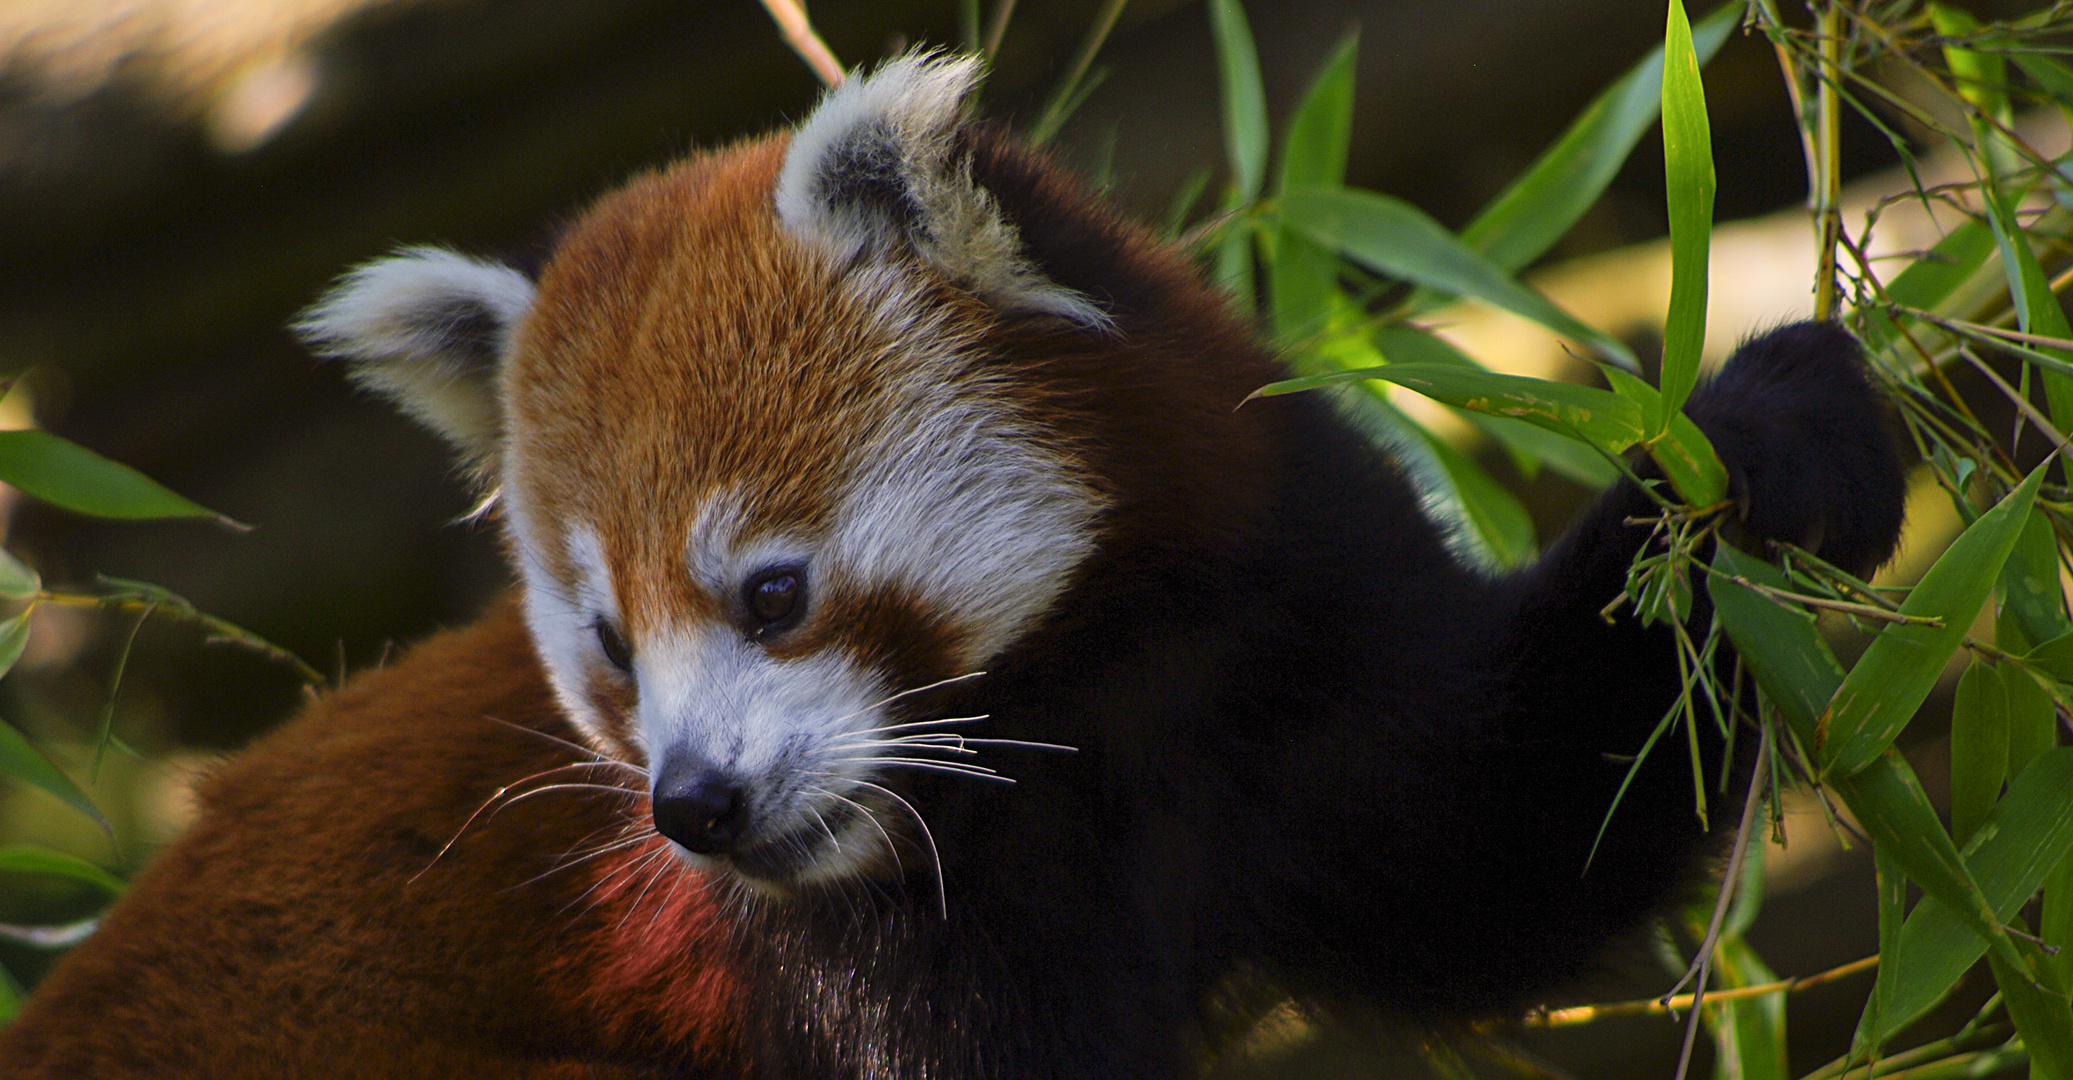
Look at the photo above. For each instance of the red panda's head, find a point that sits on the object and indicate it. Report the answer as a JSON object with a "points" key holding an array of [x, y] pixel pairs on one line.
{"points": [[790, 429]]}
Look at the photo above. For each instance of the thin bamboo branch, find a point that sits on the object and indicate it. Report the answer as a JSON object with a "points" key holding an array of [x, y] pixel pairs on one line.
{"points": [[1585, 1014], [798, 32]]}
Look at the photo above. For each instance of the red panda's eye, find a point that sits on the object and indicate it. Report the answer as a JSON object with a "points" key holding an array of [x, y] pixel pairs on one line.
{"points": [[615, 648], [774, 597]]}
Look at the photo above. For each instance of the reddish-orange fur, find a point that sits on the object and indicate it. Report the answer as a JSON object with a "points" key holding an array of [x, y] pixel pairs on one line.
{"points": [[309, 927]]}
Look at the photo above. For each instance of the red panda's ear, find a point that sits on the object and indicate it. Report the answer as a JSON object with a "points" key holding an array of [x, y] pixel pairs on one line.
{"points": [[427, 328], [882, 166]]}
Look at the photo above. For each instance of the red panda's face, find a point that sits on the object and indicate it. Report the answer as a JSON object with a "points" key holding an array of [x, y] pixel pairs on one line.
{"points": [[756, 488], [761, 483]]}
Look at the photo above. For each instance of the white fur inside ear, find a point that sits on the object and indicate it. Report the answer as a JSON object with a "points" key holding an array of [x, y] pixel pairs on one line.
{"points": [[427, 328], [876, 167]]}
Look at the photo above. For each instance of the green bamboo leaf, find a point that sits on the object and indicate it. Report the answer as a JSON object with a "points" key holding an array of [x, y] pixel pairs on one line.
{"points": [[1305, 276], [1748, 1033], [1245, 103], [2053, 77], [21, 759], [17, 582], [2042, 1017], [1897, 672], [14, 637], [2037, 309], [1393, 237], [2032, 717], [2019, 843], [1929, 280], [29, 859], [1540, 206], [1778, 643], [1892, 886], [2055, 925], [1313, 153], [1684, 453], [1979, 748], [1234, 262], [1688, 188], [71, 476], [11, 996], [1530, 447], [1981, 77], [1598, 417], [2031, 595], [1889, 804], [1690, 463]]}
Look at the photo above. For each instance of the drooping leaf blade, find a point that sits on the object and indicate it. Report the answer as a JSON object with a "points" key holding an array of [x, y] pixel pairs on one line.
{"points": [[1393, 237], [1540, 206], [1599, 417], [30, 859], [68, 475]]}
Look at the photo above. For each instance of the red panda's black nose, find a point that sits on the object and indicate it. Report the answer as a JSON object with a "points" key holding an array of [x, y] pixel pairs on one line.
{"points": [[703, 810]]}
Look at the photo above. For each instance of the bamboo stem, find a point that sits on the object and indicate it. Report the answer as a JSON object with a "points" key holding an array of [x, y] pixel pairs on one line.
{"points": [[798, 32]]}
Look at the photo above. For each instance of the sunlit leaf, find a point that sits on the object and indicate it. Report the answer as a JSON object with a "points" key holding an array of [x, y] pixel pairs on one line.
{"points": [[69, 475], [1393, 237], [1927, 281], [1529, 446], [1599, 417], [29, 859], [1896, 673], [1683, 452], [1799, 676], [1689, 184]]}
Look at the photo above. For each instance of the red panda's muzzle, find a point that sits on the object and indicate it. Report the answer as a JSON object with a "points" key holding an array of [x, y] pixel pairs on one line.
{"points": [[702, 809]]}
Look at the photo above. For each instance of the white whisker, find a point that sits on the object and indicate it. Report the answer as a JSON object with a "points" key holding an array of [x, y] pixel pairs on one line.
{"points": [[884, 701], [942, 893]]}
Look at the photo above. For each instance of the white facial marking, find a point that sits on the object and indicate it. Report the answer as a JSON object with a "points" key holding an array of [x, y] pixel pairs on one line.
{"points": [[562, 616]]}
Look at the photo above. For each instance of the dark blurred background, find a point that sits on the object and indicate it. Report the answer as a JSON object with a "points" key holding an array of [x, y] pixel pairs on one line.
{"points": [[178, 177]]}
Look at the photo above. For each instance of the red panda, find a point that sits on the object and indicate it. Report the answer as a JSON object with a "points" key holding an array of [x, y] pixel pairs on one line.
{"points": [[923, 667]]}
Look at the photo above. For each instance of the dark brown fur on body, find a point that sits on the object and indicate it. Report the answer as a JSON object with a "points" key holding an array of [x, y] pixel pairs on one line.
{"points": [[307, 927]]}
